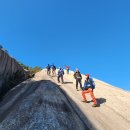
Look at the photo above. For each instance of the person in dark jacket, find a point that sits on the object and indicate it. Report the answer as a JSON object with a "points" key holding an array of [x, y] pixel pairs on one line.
{"points": [[53, 70], [60, 75], [48, 69], [78, 78]]}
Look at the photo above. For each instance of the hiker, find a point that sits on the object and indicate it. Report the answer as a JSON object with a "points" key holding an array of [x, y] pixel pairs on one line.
{"points": [[48, 69], [67, 69], [60, 75], [88, 88], [53, 70], [78, 78]]}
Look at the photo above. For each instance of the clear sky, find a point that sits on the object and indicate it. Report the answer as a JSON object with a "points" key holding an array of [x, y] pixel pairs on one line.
{"points": [[92, 35]]}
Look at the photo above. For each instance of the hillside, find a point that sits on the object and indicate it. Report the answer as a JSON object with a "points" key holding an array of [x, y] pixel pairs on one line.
{"points": [[41, 103], [11, 73]]}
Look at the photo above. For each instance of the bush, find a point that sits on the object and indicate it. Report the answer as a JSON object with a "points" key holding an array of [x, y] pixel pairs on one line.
{"points": [[32, 71]]}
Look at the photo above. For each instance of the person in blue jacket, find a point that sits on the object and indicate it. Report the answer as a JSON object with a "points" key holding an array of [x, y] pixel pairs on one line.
{"points": [[88, 88], [60, 75]]}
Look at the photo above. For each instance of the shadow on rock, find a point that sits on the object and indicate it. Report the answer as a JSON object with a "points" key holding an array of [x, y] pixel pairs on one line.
{"points": [[100, 101], [68, 82], [51, 105]]}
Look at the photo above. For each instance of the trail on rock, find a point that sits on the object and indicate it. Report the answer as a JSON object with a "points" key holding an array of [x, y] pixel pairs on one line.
{"points": [[43, 104]]}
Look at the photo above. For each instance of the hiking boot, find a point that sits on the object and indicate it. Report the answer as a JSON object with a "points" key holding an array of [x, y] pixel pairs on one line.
{"points": [[94, 105], [85, 101]]}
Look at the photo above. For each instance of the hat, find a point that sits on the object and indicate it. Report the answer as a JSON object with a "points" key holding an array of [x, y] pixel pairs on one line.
{"points": [[77, 69], [87, 75]]}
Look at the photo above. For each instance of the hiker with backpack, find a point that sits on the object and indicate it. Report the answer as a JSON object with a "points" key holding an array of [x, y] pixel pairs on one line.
{"points": [[60, 75], [78, 78], [48, 69], [67, 69], [89, 85], [53, 70]]}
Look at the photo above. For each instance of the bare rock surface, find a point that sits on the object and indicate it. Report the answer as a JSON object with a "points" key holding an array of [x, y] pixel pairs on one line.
{"points": [[43, 104], [38, 104]]}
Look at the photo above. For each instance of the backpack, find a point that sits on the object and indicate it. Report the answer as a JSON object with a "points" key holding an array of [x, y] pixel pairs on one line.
{"points": [[61, 72], [89, 84], [92, 83]]}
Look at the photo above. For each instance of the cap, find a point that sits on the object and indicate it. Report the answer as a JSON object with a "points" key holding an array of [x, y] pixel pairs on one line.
{"points": [[87, 74], [77, 69]]}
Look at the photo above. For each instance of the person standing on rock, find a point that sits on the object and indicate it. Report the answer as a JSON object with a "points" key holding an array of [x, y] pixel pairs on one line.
{"points": [[48, 69], [88, 88], [53, 70], [60, 75], [67, 69], [78, 78]]}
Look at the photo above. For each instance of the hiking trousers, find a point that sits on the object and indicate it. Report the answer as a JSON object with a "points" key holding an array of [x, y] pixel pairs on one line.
{"points": [[78, 81], [58, 78], [54, 72], [67, 71], [89, 90], [48, 72]]}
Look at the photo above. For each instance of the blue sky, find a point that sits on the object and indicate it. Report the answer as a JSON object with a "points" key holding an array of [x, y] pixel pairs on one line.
{"points": [[92, 35]]}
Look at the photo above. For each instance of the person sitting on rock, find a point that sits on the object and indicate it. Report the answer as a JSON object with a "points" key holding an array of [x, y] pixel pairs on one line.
{"points": [[88, 88]]}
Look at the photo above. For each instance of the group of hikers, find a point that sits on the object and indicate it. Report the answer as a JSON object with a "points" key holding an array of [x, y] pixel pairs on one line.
{"points": [[88, 86]]}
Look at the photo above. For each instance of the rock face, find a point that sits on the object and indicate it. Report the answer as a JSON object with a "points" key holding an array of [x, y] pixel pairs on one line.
{"points": [[41, 103], [11, 73], [38, 104]]}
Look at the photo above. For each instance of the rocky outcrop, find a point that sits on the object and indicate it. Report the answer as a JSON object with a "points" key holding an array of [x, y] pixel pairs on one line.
{"points": [[11, 73], [41, 103]]}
